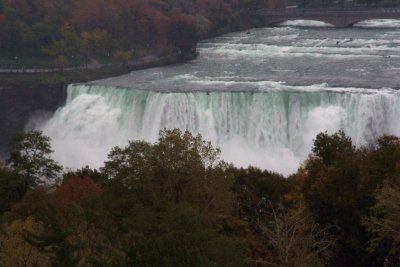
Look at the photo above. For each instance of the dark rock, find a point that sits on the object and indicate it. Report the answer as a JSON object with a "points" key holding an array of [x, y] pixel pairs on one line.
{"points": [[18, 104]]}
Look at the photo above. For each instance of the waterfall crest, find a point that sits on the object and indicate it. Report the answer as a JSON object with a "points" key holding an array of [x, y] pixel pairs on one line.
{"points": [[270, 129]]}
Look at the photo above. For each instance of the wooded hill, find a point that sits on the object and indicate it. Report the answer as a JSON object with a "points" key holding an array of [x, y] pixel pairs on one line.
{"points": [[74, 31]]}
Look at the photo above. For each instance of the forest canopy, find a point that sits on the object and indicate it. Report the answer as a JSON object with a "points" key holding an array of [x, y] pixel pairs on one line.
{"points": [[176, 203], [86, 29]]}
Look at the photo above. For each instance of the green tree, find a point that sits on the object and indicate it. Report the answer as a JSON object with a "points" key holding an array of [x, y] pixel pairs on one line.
{"points": [[175, 199], [328, 147], [65, 47], [178, 235], [254, 188], [176, 167], [339, 185], [12, 188], [30, 157], [383, 222]]}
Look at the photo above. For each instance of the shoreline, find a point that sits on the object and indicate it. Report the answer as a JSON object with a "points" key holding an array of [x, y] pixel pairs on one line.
{"points": [[81, 74], [28, 96], [57, 78]]}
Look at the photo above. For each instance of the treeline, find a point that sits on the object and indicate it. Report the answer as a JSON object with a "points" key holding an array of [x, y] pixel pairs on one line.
{"points": [[175, 203], [100, 29]]}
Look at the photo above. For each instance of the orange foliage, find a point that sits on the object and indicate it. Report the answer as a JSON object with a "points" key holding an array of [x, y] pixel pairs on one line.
{"points": [[75, 189]]}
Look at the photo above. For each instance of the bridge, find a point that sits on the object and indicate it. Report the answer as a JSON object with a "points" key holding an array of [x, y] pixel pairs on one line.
{"points": [[339, 17]]}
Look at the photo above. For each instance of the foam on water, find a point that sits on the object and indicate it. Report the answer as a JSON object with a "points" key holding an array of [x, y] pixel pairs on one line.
{"points": [[305, 23], [261, 95], [273, 129], [379, 23], [277, 86], [375, 23], [346, 50]]}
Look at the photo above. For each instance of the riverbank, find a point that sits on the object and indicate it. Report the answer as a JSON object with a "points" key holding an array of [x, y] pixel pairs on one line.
{"points": [[28, 96], [28, 75], [57, 78]]}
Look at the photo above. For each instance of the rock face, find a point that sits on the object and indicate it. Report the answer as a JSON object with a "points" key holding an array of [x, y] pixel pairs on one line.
{"points": [[20, 105]]}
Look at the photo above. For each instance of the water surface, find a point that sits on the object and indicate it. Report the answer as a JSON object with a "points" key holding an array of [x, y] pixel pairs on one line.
{"points": [[261, 95]]}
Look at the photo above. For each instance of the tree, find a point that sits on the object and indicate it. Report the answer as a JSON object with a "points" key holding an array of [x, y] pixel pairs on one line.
{"points": [[85, 40], [293, 236], [123, 56], [383, 222], [30, 157], [339, 185], [97, 176], [254, 187], [174, 197], [12, 188], [69, 218], [328, 147], [76, 189], [55, 239], [182, 161], [15, 251], [182, 33], [176, 167], [64, 47], [100, 40], [178, 235]]}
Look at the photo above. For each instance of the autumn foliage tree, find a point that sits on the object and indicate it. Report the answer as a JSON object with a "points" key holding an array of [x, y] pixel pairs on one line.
{"points": [[175, 203], [37, 27], [15, 251], [76, 189]]}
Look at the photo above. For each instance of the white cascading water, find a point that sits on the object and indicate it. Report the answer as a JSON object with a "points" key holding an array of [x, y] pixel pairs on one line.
{"points": [[270, 129], [233, 95]]}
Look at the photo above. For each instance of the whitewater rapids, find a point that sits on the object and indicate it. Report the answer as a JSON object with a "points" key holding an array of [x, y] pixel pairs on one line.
{"points": [[260, 96]]}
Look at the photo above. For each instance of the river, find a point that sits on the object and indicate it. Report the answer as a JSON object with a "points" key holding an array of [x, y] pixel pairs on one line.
{"points": [[260, 95]]}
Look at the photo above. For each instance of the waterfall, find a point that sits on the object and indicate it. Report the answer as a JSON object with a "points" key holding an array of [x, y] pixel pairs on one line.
{"points": [[271, 129]]}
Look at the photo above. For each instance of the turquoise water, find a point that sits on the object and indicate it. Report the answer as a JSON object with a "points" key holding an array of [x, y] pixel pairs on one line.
{"points": [[262, 97]]}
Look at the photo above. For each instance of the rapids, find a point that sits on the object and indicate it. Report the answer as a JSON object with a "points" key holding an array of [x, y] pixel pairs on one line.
{"points": [[260, 95]]}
